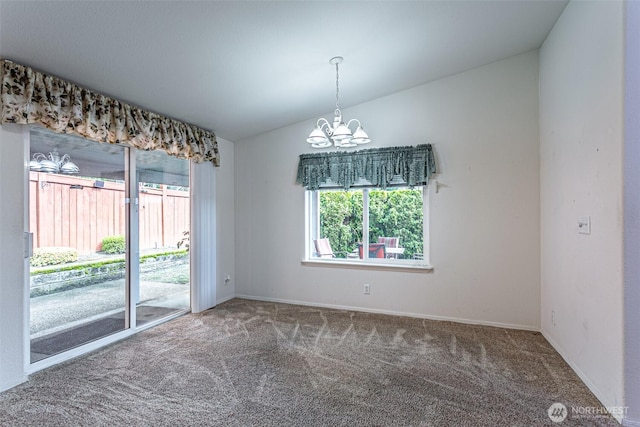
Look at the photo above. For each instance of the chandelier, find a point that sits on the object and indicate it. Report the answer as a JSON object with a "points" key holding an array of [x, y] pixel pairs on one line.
{"points": [[324, 134], [53, 163]]}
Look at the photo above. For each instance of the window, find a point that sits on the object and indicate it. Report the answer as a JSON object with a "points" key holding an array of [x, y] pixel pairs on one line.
{"points": [[368, 225], [367, 206]]}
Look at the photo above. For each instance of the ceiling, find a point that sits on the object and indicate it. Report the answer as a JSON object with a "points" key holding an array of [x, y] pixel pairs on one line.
{"points": [[241, 68]]}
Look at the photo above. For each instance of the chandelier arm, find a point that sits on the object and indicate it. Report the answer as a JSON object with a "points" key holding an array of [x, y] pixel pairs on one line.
{"points": [[354, 120], [322, 122]]}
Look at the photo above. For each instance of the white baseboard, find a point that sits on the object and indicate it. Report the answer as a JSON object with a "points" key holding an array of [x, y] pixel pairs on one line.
{"points": [[11, 384], [225, 299], [394, 313], [586, 380]]}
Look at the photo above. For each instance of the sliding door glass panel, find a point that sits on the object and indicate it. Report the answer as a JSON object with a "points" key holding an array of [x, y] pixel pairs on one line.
{"points": [[77, 217], [163, 206]]}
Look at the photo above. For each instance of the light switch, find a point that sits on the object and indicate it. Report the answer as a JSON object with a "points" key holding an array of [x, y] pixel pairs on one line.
{"points": [[584, 225]]}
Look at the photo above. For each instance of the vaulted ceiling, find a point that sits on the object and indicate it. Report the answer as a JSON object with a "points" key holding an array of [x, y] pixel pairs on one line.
{"points": [[241, 68]]}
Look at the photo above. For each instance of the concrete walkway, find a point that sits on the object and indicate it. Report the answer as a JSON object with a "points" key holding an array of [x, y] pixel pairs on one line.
{"points": [[62, 310]]}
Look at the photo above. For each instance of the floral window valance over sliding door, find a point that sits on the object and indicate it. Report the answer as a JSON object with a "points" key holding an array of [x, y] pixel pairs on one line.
{"points": [[29, 96], [378, 167]]}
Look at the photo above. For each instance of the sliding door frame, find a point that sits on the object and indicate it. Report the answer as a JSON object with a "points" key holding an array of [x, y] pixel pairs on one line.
{"points": [[132, 267], [132, 257]]}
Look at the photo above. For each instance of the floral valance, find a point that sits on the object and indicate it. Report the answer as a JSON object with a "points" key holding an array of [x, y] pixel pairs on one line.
{"points": [[29, 96], [379, 167]]}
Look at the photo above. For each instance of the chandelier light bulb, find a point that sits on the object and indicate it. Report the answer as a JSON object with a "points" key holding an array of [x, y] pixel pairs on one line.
{"points": [[342, 132], [360, 136], [317, 136]]}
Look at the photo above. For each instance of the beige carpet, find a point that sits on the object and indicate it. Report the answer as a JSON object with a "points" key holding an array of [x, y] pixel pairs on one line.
{"points": [[248, 363]]}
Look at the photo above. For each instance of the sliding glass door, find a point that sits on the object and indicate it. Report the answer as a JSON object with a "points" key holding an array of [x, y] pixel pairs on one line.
{"points": [[78, 220], [163, 204], [110, 232]]}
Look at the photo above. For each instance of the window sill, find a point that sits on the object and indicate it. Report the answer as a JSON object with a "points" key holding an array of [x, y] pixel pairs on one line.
{"points": [[359, 265]]}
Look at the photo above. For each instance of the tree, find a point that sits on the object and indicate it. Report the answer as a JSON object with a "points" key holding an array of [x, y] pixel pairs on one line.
{"points": [[392, 213], [341, 219]]}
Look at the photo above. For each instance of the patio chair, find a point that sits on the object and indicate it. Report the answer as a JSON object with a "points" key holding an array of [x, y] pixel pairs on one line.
{"points": [[376, 250], [392, 243], [323, 249]]}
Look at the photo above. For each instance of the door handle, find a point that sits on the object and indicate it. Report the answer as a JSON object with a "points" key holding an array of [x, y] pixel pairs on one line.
{"points": [[28, 245]]}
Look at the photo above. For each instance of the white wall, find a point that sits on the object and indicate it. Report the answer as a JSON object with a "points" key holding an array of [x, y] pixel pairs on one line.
{"points": [[12, 270], [632, 213], [484, 226], [581, 145], [225, 207]]}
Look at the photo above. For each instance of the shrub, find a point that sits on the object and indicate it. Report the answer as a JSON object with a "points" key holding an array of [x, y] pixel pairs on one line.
{"points": [[184, 241], [53, 256], [114, 245]]}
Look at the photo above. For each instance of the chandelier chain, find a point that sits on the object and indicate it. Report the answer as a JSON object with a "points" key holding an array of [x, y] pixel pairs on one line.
{"points": [[337, 87]]}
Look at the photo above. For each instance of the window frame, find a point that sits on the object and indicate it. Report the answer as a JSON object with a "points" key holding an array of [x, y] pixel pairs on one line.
{"points": [[312, 231]]}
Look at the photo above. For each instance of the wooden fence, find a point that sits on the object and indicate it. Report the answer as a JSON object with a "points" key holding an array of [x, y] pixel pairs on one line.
{"points": [[75, 212]]}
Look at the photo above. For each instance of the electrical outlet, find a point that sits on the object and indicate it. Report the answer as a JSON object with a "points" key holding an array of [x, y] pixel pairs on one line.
{"points": [[584, 225], [553, 317], [227, 279], [367, 289]]}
